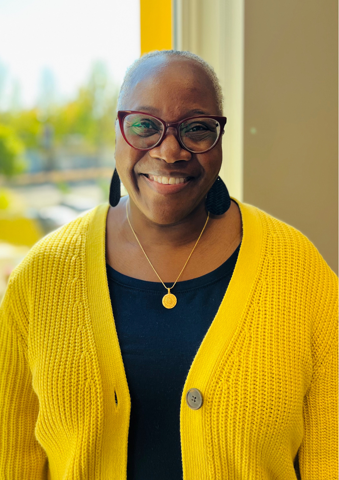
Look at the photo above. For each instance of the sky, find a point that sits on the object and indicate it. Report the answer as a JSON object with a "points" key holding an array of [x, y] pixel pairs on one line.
{"points": [[62, 39]]}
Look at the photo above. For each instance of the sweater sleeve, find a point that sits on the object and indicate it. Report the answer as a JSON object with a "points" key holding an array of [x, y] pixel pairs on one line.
{"points": [[318, 454], [21, 456]]}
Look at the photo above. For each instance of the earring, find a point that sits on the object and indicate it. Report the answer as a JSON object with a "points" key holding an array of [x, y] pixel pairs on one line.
{"points": [[114, 189], [218, 200]]}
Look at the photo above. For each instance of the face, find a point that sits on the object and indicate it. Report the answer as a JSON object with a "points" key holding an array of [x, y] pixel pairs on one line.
{"points": [[172, 90]]}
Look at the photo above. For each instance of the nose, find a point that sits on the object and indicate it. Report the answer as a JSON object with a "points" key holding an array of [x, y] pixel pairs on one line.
{"points": [[170, 149]]}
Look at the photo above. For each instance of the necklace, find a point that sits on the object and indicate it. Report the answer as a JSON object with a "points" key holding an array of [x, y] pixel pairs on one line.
{"points": [[169, 300]]}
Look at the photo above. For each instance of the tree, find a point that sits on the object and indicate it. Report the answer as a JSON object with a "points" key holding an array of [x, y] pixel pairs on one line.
{"points": [[84, 125], [26, 126], [11, 152], [91, 114]]}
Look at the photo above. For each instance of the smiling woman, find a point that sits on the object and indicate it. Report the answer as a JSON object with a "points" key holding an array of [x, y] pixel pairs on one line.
{"points": [[177, 333], [182, 93]]}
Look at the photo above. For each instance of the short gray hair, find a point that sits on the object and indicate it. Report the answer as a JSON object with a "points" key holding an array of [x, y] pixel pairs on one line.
{"points": [[208, 69]]}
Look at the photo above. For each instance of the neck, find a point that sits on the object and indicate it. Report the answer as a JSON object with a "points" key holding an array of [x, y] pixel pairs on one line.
{"points": [[178, 234]]}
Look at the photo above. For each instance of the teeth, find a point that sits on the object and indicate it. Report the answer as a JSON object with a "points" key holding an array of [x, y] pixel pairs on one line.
{"points": [[167, 180]]}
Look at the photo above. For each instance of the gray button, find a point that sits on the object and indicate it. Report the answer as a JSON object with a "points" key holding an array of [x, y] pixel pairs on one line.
{"points": [[194, 398]]}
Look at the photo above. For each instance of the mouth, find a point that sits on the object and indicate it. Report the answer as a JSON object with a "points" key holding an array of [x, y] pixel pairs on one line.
{"points": [[166, 180], [165, 184]]}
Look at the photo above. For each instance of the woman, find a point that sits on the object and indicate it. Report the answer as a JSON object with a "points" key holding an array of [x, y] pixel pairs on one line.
{"points": [[218, 361]]}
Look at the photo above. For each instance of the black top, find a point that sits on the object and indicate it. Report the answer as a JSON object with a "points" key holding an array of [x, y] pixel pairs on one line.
{"points": [[158, 347]]}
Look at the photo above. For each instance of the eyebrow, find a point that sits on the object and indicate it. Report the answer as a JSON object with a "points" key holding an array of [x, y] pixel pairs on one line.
{"points": [[155, 111]]}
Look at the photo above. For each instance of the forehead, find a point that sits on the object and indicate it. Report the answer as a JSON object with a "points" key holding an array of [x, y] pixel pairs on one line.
{"points": [[171, 87]]}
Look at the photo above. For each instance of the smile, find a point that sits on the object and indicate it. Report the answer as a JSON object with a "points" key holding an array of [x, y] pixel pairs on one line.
{"points": [[167, 180], [166, 185]]}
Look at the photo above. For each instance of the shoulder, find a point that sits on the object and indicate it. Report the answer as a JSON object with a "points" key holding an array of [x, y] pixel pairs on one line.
{"points": [[288, 259], [295, 274], [286, 243], [292, 266], [54, 266], [60, 247]]}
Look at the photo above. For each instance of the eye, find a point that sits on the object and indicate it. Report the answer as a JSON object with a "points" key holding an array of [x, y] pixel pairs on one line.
{"points": [[146, 124], [143, 127], [198, 127], [195, 127], [199, 133]]}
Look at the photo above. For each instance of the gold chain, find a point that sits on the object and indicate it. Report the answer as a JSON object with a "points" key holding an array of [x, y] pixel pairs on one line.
{"points": [[149, 261]]}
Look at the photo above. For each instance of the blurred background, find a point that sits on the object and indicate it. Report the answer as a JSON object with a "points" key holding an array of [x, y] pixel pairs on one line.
{"points": [[61, 66]]}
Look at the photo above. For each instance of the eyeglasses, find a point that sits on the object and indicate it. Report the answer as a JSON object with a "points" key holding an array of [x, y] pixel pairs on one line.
{"points": [[143, 131]]}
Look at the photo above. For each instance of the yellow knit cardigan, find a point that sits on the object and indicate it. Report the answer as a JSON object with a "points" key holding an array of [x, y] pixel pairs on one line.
{"points": [[266, 367]]}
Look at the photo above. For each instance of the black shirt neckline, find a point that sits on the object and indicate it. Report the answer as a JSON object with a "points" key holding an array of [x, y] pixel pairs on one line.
{"points": [[225, 269]]}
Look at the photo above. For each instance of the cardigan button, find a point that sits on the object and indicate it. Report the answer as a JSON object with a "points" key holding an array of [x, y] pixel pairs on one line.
{"points": [[194, 398]]}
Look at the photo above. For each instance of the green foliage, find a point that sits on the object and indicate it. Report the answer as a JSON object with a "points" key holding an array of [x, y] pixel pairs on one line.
{"points": [[85, 123], [91, 115], [11, 152], [27, 127]]}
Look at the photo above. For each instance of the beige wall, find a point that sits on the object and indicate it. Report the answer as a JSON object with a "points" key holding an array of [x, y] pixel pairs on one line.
{"points": [[290, 116], [277, 62]]}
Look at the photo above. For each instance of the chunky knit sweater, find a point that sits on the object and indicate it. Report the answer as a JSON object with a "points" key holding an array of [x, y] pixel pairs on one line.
{"points": [[266, 368]]}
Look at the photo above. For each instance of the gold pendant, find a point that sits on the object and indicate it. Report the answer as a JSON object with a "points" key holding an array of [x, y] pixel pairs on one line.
{"points": [[169, 300]]}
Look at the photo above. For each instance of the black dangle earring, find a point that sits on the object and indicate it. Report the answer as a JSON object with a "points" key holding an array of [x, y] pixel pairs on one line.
{"points": [[115, 190], [218, 200]]}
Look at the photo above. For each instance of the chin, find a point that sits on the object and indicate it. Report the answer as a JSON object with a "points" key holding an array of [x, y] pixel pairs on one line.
{"points": [[170, 215]]}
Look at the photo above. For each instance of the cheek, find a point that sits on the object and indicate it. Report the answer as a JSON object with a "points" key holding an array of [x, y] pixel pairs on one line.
{"points": [[211, 162], [126, 158]]}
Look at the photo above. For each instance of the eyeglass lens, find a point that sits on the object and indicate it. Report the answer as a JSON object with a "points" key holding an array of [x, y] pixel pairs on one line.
{"points": [[196, 134]]}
